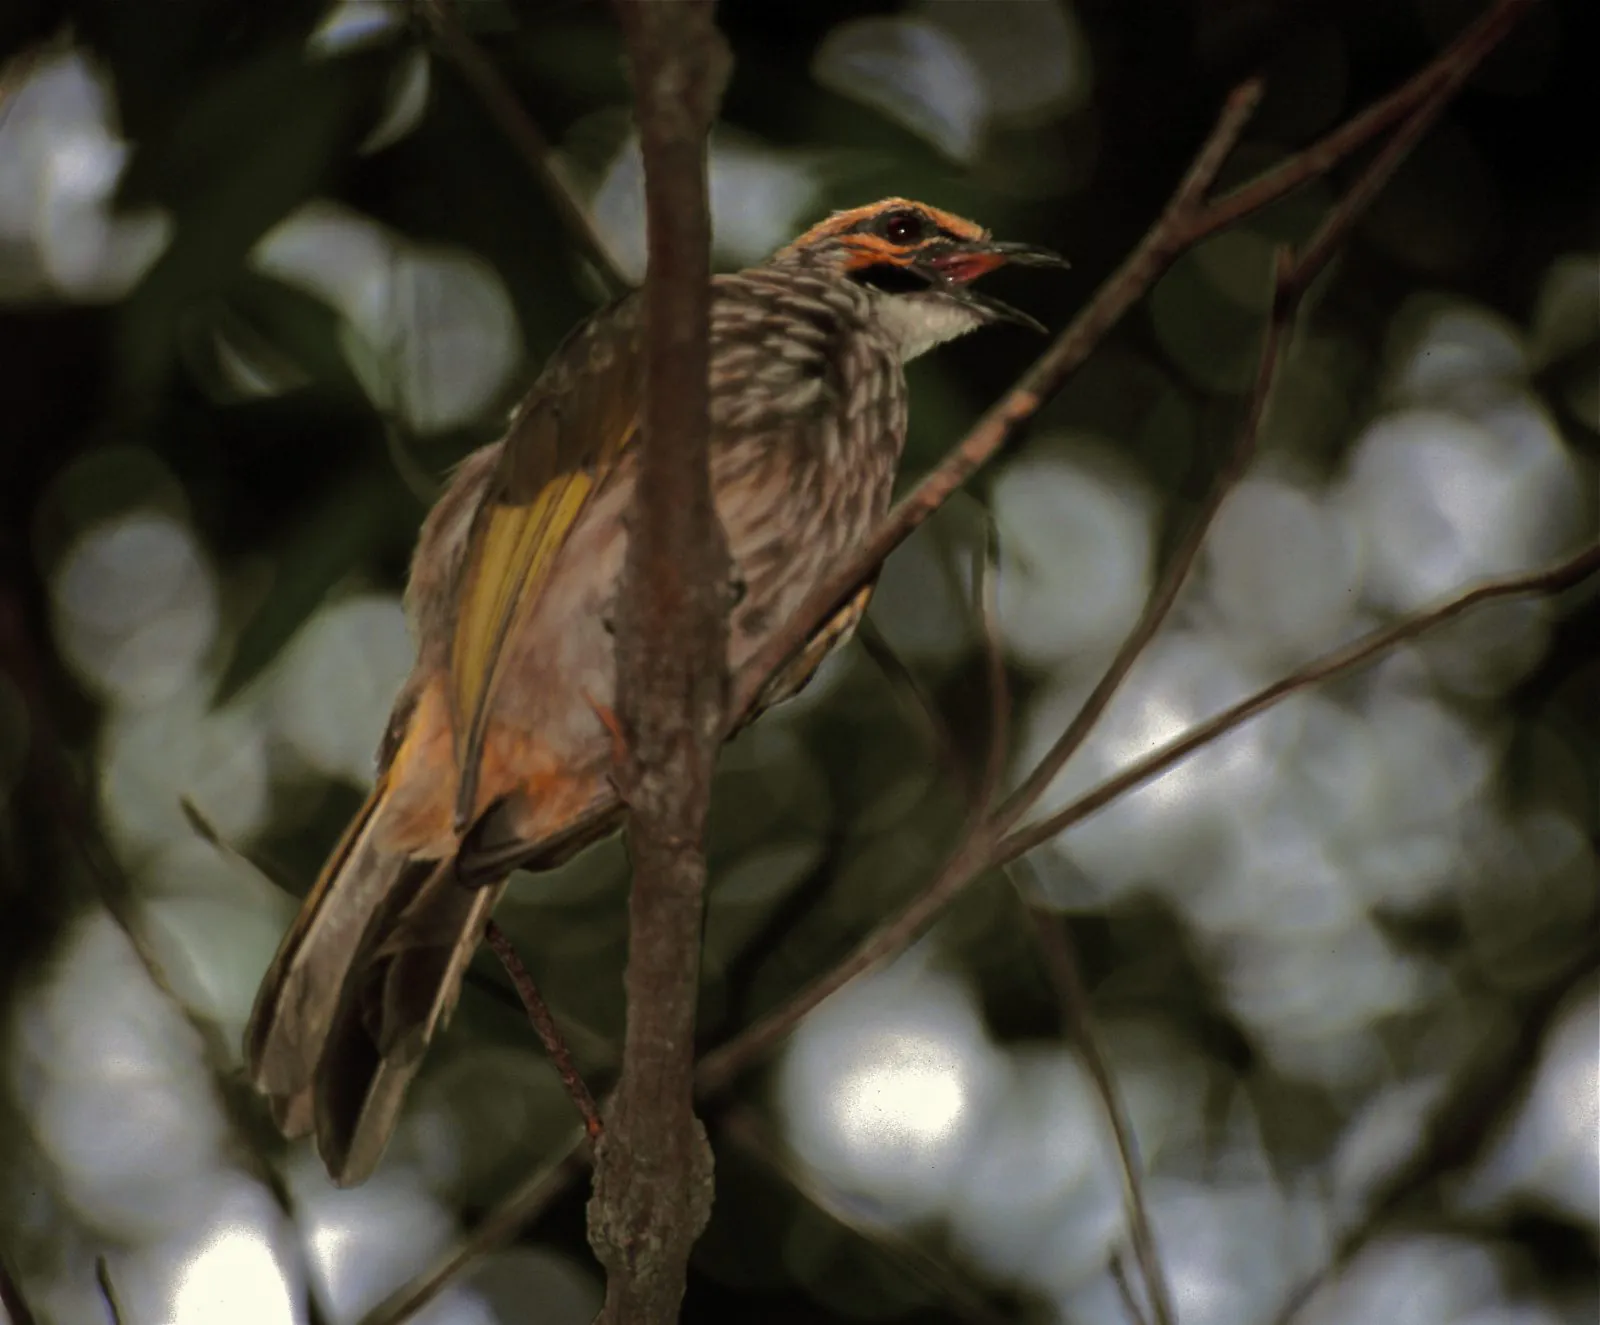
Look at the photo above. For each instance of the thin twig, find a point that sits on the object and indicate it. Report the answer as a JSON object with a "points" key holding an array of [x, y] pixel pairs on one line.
{"points": [[108, 1294], [509, 1217], [1054, 943], [13, 1299], [969, 860], [508, 112], [1551, 580], [917, 701], [1072, 996], [544, 1026], [419, 482], [1173, 577], [1453, 64], [1130, 1303], [1319, 249], [52, 773], [1457, 1134], [985, 572], [955, 1295]]}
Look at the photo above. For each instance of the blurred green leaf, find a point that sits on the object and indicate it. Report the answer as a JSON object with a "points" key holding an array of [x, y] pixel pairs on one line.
{"points": [[335, 539], [250, 147], [266, 330]]}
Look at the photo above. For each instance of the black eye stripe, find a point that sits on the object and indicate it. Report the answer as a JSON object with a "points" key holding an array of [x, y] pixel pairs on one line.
{"points": [[890, 277]]}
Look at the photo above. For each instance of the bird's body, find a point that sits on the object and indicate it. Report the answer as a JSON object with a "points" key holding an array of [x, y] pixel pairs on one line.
{"points": [[499, 752]]}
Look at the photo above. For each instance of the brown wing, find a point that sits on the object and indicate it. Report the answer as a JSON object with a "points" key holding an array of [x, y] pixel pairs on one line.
{"points": [[562, 446]]}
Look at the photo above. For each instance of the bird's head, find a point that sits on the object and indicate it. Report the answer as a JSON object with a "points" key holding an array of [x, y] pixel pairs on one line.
{"points": [[922, 262]]}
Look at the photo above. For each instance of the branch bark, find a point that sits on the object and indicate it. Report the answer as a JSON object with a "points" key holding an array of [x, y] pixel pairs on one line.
{"points": [[652, 1194]]}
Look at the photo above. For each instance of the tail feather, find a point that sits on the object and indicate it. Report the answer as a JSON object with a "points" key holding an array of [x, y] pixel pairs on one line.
{"points": [[302, 987], [372, 969], [406, 986]]}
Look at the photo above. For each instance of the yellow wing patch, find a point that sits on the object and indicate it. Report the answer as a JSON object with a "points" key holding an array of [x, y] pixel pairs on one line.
{"points": [[561, 449], [517, 546]]}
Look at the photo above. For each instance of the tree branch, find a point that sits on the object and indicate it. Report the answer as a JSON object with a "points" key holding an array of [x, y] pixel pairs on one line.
{"points": [[507, 112], [1457, 1132], [985, 571], [652, 1195], [1065, 973], [17, 1310], [108, 1292], [1453, 65], [978, 852], [957, 1297], [1550, 580], [1176, 573], [544, 1026], [992, 840], [510, 1216]]}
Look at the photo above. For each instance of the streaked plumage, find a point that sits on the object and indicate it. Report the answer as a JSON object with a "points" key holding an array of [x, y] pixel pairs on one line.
{"points": [[510, 597]]}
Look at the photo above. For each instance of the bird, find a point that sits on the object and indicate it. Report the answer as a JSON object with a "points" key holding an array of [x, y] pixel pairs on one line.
{"points": [[498, 754]]}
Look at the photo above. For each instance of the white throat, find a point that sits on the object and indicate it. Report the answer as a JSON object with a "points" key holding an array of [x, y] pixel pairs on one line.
{"points": [[915, 323]]}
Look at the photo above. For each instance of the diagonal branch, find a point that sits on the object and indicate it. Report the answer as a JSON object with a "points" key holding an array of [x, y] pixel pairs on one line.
{"points": [[985, 571], [1047, 376], [1176, 573], [509, 114], [742, 1125], [1459, 1131], [1130, 1303], [1369, 648], [544, 1026], [514, 1212], [108, 1291], [913, 696], [1450, 68], [15, 1304], [1065, 973]]}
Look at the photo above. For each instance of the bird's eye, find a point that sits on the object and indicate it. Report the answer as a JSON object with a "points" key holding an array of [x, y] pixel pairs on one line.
{"points": [[902, 227]]}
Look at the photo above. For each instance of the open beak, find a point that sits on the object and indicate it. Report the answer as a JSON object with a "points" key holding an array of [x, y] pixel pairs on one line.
{"points": [[959, 265]]}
